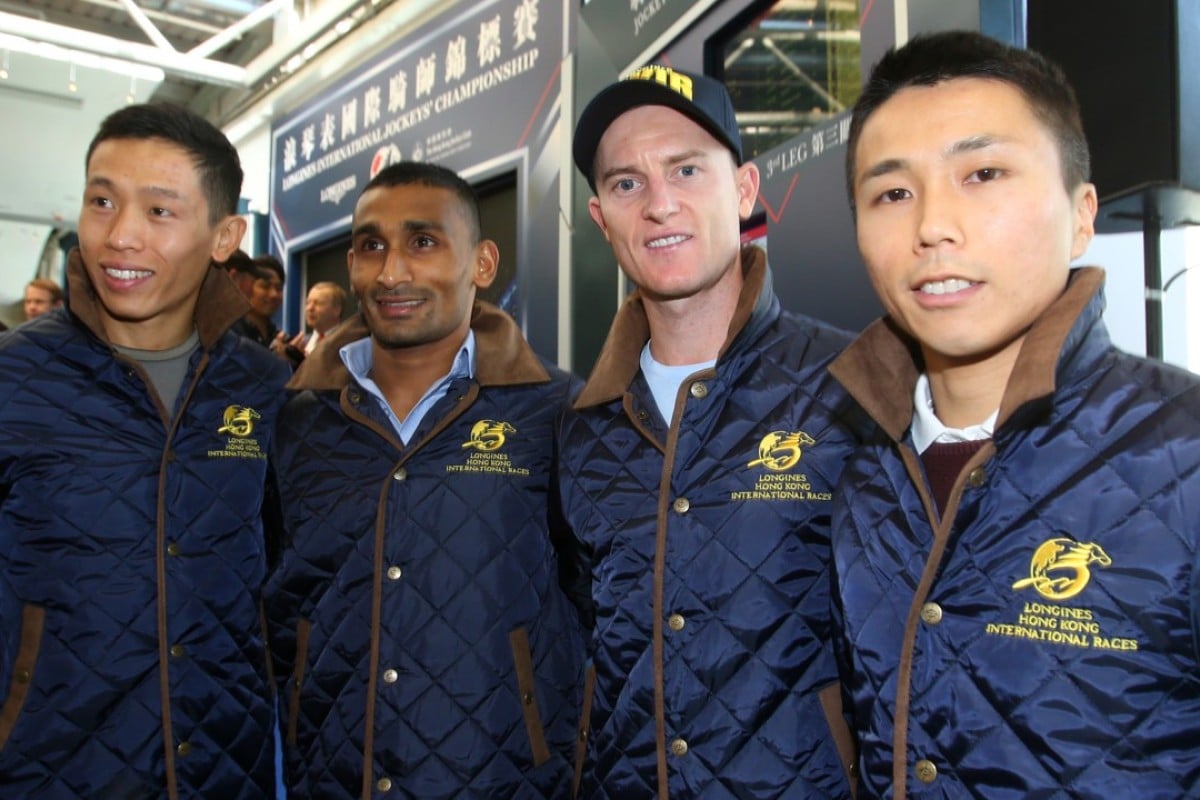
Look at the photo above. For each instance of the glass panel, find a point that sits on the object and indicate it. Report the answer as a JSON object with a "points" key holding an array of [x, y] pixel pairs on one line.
{"points": [[792, 68]]}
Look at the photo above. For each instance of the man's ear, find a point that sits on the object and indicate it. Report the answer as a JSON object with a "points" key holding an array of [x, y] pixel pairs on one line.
{"points": [[747, 184], [598, 216], [229, 237], [487, 264], [1086, 203]]}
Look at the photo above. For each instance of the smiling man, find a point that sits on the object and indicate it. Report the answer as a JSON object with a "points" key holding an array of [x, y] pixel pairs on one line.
{"points": [[698, 466], [423, 644], [134, 428], [1016, 552]]}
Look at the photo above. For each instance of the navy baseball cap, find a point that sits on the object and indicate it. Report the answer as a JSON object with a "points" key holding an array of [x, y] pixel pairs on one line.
{"points": [[698, 97]]}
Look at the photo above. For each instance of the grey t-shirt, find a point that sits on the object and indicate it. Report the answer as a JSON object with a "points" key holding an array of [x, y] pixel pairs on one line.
{"points": [[166, 368]]}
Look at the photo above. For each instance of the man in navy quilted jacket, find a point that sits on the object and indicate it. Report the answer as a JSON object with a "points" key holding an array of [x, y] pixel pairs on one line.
{"points": [[698, 469], [423, 645], [134, 430], [1016, 551]]}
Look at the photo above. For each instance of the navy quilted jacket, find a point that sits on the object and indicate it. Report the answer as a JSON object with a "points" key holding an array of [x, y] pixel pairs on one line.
{"points": [[132, 661], [708, 551], [1039, 640], [424, 647]]}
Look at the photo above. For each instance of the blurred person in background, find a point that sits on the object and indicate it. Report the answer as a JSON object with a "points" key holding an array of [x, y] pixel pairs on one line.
{"points": [[41, 295]]}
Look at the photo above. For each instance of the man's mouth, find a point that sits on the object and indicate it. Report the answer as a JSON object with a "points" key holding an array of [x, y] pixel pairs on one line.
{"points": [[126, 274], [948, 286], [666, 241]]}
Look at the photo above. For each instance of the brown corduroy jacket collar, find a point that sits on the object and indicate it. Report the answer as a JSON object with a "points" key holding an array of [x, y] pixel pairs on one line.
{"points": [[218, 307], [880, 368], [620, 358], [502, 356]]}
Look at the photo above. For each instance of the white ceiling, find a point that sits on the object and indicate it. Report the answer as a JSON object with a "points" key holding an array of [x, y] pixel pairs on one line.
{"points": [[214, 56]]}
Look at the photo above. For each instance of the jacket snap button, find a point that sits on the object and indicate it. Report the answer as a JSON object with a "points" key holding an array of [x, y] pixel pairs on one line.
{"points": [[177, 651], [679, 747], [527, 698], [390, 675], [384, 784], [926, 771], [23, 676], [681, 505], [172, 549], [931, 613], [977, 477], [400, 474], [394, 573], [354, 396], [675, 622], [184, 748], [699, 390]]}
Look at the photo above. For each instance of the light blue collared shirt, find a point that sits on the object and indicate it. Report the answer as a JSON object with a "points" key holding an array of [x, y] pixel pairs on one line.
{"points": [[358, 359], [927, 428]]}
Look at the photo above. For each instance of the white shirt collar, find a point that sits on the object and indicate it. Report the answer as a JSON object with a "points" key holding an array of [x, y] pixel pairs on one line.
{"points": [[927, 428]]}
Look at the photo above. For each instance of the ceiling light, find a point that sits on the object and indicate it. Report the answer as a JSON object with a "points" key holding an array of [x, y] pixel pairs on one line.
{"points": [[72, 86]]}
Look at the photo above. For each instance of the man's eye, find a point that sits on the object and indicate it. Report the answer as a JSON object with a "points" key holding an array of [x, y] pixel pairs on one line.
{"points": [[894, 195], [625, 185], [688, 171], [986, 174]]}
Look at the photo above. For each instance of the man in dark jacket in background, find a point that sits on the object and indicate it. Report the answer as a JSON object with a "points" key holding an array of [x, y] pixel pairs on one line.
{"points": [[134, 429], [1016, 552], [698, 468], [424, 648]]}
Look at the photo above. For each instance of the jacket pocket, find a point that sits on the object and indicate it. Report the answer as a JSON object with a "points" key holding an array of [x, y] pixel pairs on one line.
{"points": [[303, 627], [523, 661], [843, 739], [33, 619]]}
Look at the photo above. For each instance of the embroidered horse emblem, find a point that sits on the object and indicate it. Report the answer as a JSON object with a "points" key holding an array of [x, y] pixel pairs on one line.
{"points": [[780, 451], [488, 435], [239, 421], [1060, 568]]}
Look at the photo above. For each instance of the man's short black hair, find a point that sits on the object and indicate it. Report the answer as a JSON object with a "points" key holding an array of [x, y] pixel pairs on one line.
{"points": [[216, 159], [267, 264], [423, 173], [931, 59]]}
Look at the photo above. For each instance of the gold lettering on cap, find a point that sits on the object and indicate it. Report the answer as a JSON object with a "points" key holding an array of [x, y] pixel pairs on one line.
{"points": [[675, 81]]}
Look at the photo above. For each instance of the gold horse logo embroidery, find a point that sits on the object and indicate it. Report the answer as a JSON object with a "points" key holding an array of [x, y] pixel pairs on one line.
{"points": [[1060, 568], [779, 451], [488, 435], [239, 421]]}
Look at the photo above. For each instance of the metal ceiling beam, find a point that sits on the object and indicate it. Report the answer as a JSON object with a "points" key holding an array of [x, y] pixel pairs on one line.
{"points": [[248, 22], [311, 27], [172, 19], [198, 69], [147, 26]]}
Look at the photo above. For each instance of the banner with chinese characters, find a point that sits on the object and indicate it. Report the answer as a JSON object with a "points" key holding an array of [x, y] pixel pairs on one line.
{"points": [[466, 88]]}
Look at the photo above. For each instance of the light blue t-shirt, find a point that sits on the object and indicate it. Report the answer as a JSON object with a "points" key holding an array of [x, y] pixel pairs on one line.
{"points": [[665, 380], [357, 356]]}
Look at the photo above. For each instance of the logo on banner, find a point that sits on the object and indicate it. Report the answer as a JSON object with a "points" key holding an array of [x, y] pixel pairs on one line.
{"points": [[385, 156]]}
